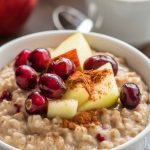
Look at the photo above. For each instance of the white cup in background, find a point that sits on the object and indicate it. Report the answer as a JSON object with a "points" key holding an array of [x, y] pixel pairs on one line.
{"points": [[128, 20]]}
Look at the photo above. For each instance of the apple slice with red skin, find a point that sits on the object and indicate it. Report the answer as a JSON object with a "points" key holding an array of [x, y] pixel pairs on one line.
{"points": [[76, 41], [73, 56]]}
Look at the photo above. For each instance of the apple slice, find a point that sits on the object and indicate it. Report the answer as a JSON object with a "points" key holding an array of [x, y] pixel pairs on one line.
{"points": [[62, 108], [78, 42], [72, 55], [106, 91], [78, 92]]}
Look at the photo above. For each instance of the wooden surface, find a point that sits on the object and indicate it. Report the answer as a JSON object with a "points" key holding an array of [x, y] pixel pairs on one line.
{"points": [[41, 19]]}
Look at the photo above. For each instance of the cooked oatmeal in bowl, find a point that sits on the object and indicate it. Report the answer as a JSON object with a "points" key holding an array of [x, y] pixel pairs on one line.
{"points": [[63, 99]]}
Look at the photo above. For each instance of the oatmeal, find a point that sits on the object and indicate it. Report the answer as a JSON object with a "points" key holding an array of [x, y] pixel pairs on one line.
{"points": [[36, 132], [28, 128]]}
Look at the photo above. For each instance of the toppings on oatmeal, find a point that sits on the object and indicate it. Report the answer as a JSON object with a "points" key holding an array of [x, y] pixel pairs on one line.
{"points": [[36, 103], [86, 119], [105, 90], [79, 83], [79, 43], [5, 95], [63, 67], [100, 138], [93, 88], [72, 101], [39, 59], [21, 58], [97, 61], [130, 95], [52, 86], [26, 77], [73, 56], [62, 108], [78, 90]]}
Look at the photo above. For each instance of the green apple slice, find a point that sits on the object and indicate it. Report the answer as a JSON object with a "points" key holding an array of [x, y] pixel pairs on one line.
{"points": [[78, 92], [78, 42], [106, 92], [62, 108]]}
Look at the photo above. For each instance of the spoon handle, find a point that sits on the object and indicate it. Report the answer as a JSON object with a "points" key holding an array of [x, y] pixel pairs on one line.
{"points": [[86, 25]]}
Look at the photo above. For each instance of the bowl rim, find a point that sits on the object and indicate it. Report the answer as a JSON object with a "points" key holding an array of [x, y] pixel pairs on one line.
{"points": [[109, 38]]}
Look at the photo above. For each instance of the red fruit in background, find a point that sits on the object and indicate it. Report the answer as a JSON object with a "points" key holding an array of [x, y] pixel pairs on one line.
{"points": [[22, 58], [13, 14]]}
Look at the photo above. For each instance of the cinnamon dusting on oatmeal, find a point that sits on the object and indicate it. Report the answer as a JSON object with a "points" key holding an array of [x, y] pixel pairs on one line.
{"points": [[98, 75], [88, 78], [85, 80], [68, 124], [86, 119]]}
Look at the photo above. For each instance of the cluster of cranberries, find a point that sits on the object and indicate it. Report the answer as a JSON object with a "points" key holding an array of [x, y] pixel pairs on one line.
{"points": [[35, 70]]}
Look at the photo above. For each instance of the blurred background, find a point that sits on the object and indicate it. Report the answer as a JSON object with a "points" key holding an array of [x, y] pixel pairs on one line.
{"points": [[40, 18]]}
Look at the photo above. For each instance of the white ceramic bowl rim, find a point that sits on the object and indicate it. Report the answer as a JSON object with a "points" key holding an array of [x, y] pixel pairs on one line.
{"points": [[114, 40]]}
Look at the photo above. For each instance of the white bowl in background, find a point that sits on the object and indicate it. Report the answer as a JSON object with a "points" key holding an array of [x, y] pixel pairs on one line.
{"points": [[134, 58], [127, 20]]}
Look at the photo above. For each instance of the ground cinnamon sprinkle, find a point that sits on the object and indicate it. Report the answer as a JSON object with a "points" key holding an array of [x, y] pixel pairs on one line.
{"points": [[88, 79], [68, 124], [85, 80], [86, 119], [97, 75]]}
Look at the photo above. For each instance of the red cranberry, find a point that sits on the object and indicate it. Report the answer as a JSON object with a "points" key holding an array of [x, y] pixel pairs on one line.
{"points": [[52, 86], [26, 77], [18, 107], [97, 61], [63, 67], [100, 138], [22, 58], [36, 103], [5, 95], [39, 59], [130, 95]]}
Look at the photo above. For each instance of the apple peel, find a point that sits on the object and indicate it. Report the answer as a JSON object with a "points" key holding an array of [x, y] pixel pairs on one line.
{"points": [[73, 56]]}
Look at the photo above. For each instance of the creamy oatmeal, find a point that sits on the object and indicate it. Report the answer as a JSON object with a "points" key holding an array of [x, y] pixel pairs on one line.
{"points": [[44, 106], [117, 125]]}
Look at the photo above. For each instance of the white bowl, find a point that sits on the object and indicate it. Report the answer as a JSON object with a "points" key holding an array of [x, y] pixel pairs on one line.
{"points": [[127, 20], [134, 58]]}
